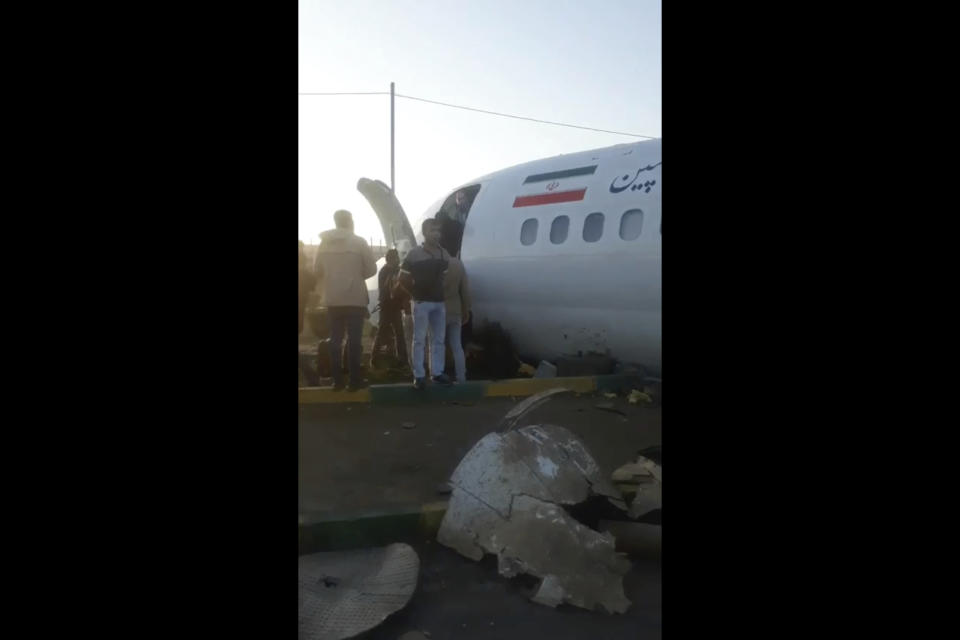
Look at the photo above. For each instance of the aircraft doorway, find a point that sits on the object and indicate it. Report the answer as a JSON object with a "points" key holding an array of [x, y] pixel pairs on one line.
{"points": [[453, 217]]}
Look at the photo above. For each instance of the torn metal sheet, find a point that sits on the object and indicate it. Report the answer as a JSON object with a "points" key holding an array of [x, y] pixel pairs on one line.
{"points": [[643, 477], [578, 565], [648, 499], [524, 408], [508, 496], [345, 593]]}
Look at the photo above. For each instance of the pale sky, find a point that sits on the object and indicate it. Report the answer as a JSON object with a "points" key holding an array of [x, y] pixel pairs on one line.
{"points": [[589, 64]]}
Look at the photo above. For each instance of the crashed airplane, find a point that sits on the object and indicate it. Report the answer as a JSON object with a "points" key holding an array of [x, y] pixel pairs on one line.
{"points": [[564, 253]]}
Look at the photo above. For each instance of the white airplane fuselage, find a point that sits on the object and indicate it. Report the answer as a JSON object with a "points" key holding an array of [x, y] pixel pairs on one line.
{"points": [[565, 253]]}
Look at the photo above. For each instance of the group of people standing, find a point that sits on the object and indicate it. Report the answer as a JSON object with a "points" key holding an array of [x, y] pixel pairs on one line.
{"points": [[430, 286]]}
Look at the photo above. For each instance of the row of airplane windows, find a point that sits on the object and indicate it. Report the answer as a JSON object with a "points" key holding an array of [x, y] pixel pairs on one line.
{"points": [[631, 224]]}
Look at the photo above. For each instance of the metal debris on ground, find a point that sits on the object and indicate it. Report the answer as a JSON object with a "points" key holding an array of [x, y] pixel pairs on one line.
{"points": [[345, 593], [509, 497], [408, 425], [513, 417], [643, 478], [545, 370], [638, 396], [526, 370]]}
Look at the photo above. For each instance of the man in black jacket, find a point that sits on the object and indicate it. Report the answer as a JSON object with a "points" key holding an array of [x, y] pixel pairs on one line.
{"points": [[422, 274], [391, 307]]}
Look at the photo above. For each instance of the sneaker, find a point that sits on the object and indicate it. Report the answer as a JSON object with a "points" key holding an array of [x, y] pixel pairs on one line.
{"points": [[419, 384], [339, 386], [442, 379], [357, 387]]}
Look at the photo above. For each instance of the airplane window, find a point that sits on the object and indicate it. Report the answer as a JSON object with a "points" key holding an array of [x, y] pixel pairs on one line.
{"points": [[528, 232], [559, 228], [630, 224], [593, 227]]}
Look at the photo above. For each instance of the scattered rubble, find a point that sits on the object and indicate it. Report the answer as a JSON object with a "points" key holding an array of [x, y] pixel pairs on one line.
{"points": [[545, 370], [643, 479], [511, 495], [638, 396], [526, 370]]}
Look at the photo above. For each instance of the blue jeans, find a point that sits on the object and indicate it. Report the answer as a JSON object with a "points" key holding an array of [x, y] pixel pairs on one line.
{"points": [[456, 346], [434, 314]]}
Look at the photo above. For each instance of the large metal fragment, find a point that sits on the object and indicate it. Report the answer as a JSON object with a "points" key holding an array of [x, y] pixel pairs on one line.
{"points": [[523, 408], [578, 565], [343, 594], [507, 499], [642, 477]]}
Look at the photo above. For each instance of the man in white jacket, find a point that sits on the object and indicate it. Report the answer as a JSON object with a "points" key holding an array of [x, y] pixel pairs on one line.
{"points": [[344, 262]]}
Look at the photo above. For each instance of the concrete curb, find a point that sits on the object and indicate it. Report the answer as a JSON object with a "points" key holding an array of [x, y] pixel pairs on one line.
{"points": [[468, 392], [342, 531]]}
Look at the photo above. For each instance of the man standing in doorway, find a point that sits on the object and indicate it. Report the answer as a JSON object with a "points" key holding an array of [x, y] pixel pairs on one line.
{"points": [[453, 220], [422, 274], [345, 261]]}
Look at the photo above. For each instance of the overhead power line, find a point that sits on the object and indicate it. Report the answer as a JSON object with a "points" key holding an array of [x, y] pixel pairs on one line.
{"points": [[493, 113], [507, 115], [347, 93]]}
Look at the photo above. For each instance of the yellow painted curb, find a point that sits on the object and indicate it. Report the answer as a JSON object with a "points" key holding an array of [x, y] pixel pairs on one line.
{"points": [[530, 386], [326, 395]]}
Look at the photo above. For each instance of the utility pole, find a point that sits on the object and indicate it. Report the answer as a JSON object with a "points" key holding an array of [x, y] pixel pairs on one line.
{"points": [[392, 185]]}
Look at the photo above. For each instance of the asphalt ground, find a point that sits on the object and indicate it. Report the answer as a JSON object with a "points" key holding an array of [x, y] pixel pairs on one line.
{"points": [[459, 598], [360, 456]]}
